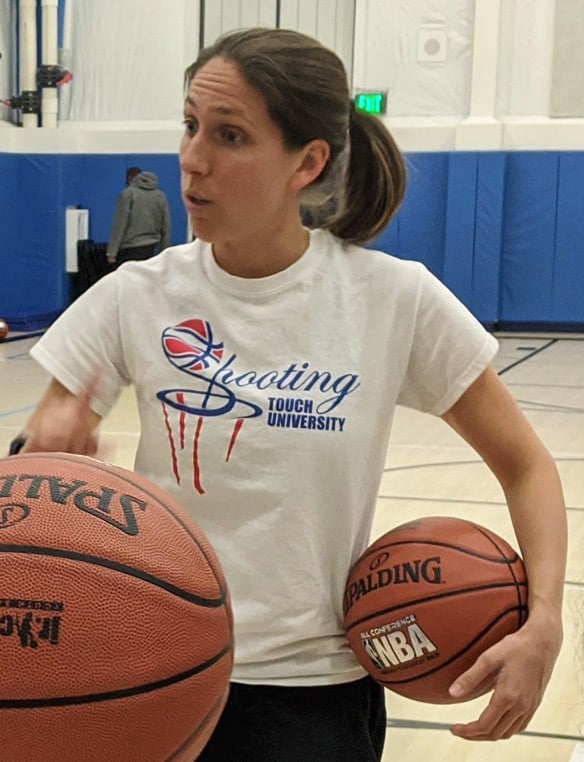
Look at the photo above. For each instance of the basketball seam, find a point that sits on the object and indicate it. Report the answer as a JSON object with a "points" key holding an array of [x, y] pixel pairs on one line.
{"points": [[121, 474], [436, 597], [522, 609], [72, 555], [91, 698], [453, 657], [438, 544]]}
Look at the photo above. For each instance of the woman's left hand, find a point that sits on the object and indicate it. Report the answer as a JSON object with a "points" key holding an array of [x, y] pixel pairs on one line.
{"points": [[517, 669]]}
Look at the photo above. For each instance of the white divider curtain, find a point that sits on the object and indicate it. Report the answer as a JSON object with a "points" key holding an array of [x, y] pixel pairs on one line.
{"points": [[421, 52], [330, 21], [222, 15], [128, 56], [568, 62]]}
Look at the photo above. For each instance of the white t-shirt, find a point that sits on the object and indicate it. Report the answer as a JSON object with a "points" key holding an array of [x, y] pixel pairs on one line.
{"points": [[266, 406]]}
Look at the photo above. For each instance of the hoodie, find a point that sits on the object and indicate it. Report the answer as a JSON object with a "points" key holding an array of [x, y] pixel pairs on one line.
{"points": [[141, 216]]}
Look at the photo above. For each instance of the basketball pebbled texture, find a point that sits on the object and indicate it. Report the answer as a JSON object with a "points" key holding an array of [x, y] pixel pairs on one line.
{"points": [[427, 598], [116, 633]]}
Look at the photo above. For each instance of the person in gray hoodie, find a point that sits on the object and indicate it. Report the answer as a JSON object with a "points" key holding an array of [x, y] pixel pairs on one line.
{"points": [[141, 223]]}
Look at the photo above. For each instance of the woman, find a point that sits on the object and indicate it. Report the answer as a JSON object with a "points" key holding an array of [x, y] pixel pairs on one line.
{"points": [[267, 361]]}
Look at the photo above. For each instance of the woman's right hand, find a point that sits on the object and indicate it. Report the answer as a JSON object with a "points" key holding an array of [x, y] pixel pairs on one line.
{"points": [[63, 422]]}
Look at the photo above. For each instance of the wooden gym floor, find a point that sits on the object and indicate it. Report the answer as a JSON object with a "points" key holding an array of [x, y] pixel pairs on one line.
{"points": [[431, 471]]}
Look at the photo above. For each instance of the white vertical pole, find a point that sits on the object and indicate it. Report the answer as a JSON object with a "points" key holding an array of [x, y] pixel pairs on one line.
{"points": [[526, 75], [66, 59], [50, 97], [28, 54], [485, 58], [482, 130]]}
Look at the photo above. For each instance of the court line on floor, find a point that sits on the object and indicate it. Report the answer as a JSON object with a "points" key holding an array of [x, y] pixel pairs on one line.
{"points": [[417, 498], [558, 336], [16, 357], [412, 466], [528, 356], [469, 501], [22, 337], [424, 725], [545, 386], [9, 413], [574, 585], [548, 407], [477, 461]]}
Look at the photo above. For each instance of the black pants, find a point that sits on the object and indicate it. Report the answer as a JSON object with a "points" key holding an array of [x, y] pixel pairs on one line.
{"points": [[261, 723], [136, 252]]}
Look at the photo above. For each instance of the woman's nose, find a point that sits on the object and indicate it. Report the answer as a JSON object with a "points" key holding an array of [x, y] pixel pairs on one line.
{"points": [[194, 155]]}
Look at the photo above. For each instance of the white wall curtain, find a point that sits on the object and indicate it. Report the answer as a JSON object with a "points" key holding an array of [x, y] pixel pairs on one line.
{"points": [[567, 99], [330, 21], [526, 47], [128, 58], [388, 34], [224, 15]]}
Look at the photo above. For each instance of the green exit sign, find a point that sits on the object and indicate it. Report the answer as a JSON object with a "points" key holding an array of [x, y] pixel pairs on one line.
{"points": [[371, 102]]}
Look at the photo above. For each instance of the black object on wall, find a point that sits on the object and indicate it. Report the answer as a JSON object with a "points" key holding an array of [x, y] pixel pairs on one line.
{"points": [[92, 264]]}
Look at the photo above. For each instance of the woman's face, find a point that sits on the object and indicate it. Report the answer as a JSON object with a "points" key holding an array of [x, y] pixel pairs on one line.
{"points": [[239, 181]]}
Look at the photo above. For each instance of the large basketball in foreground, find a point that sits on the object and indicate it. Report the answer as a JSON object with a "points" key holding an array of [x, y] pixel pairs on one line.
{"points": [[427, 598], [115, 623]]}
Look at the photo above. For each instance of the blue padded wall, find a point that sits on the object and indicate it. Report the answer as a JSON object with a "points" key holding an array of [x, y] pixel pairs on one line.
{"points": [[30, 203], [505, 231], [460, 225], [542, 253], [473, 232], [418, 230], [451, 221], [34, 193], [567, 284], [529, 230]]}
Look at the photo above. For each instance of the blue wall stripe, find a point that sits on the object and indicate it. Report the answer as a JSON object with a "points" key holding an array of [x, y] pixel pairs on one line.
{"points": [[527, 252], [568, 271], [460, 219], [488, 236]]}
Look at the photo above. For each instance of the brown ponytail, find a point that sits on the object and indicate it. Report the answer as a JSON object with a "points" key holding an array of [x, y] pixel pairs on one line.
{"points": [[375, 181]]}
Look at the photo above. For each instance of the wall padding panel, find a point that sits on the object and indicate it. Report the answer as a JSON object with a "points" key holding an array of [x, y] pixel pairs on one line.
{"points": [[505, 231]]}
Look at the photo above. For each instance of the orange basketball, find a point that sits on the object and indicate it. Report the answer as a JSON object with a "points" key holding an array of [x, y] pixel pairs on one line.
{"points": [[4, 329], [427, 598], [115, 623]]}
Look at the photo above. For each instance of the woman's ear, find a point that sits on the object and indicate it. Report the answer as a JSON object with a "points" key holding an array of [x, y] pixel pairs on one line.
{"points": [[313, 159]]}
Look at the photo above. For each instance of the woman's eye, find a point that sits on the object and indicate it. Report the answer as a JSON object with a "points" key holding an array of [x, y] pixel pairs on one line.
{"points": [[233, 137], [190, 126]]}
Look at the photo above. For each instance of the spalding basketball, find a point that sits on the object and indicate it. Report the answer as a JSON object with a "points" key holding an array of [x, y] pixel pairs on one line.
{"points": [[115, 622], [427, 598], [4, 329]]}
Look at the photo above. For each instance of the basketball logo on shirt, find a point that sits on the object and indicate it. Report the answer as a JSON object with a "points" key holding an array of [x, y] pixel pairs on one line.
{"points": [[190, 345], [296, 396]]}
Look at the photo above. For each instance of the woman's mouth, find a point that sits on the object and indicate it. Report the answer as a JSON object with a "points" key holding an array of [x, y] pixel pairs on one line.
{"points": [[197, 200]]}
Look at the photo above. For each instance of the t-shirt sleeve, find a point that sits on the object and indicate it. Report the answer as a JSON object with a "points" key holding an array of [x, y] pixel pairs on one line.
{"points": [[84, 345], [449, 350]]}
